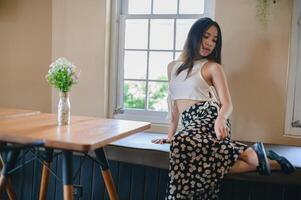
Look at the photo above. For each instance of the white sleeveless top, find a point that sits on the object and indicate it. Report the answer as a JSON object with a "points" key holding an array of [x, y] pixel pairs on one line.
{"points": [[194, 87]]}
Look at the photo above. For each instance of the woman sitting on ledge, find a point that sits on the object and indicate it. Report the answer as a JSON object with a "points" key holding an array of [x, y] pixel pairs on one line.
{"points": [[202, 152]]}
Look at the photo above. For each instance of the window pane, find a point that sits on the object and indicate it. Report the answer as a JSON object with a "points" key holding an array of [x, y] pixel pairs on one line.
{"points": [[297, 90], [157, 96], [297, 104], [165, 7], [183, 26], [158, 62], [191, 7], [177, 55], [139, 6], [161, 34], [134, 94], [136, 33], [135, 64], [297, 86]]}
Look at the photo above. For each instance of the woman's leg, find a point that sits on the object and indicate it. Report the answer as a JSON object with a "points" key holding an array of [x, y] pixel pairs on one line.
{"points": [[248, 161], [241, 166]]}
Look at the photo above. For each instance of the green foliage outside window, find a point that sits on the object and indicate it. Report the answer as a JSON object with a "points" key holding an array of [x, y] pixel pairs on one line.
{"points": [[157, 95], [134, 98], [134, 95]]}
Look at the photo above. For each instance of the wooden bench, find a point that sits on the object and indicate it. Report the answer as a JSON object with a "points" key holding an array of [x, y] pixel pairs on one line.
{"points": [[138, 149]]}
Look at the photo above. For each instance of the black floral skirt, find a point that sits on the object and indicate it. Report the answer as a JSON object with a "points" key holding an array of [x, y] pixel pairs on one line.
{"points": [[198, 161]]}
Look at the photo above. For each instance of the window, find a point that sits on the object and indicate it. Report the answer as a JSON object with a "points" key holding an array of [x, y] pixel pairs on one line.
{"points": [[151, 33], [293, 111]]}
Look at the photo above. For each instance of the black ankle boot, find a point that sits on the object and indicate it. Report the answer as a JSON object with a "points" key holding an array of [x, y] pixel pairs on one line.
{"points": [[286, 166], [263, 164]]}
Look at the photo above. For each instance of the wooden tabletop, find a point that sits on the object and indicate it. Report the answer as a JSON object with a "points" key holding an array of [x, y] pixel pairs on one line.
{"points": [[6, 113], [83, 133]]}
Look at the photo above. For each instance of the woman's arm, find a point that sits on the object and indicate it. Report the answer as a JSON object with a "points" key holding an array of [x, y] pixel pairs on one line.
{"points": [[173, 125], [220, 83]]}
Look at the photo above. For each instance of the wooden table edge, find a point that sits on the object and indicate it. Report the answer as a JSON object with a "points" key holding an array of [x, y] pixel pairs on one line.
{"points": [[92, 147], [11, 116]]}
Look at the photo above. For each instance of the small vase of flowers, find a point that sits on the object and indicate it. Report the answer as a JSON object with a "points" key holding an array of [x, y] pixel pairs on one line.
{"points": [[62, 74]]}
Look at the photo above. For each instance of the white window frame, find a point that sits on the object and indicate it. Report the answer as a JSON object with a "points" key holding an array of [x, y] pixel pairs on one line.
{"points": [[294, 62], [117, 45]]}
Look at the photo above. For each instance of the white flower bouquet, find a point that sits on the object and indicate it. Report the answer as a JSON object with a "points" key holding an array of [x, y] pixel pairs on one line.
{"points": [[62, 74]]}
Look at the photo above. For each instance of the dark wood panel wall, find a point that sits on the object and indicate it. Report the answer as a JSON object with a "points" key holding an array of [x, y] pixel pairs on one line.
{"points": [[134, 182]]}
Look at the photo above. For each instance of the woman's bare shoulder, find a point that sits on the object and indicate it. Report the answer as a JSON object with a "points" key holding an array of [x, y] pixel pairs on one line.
{"points": [[213, 66], [170, 67], [172, 64]]}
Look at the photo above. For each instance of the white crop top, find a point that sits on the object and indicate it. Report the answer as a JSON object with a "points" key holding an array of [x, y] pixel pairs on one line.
{"points": [[193, 88]]}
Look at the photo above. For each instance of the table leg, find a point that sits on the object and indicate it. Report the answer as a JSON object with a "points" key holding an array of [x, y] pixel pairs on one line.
{"points": [[67, 172], [4, 178], [45, 174], [10, 190], [9, 187], [100, 155]]}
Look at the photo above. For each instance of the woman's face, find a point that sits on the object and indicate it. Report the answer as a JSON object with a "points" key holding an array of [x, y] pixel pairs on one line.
{"points": [[208, 41]]}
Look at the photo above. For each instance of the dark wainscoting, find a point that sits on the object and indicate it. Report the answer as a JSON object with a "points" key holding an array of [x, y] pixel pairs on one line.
{"points": [[135, 182]]}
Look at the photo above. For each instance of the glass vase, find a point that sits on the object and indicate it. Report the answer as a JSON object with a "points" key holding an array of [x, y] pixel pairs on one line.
{"points": [[63, 114]]}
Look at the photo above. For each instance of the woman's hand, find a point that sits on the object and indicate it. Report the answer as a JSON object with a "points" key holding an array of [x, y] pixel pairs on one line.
{"points": [[161, 141], [221, 128]]}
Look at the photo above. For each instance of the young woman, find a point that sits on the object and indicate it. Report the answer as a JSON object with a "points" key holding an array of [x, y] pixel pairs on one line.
{"points": [[202, 152]]}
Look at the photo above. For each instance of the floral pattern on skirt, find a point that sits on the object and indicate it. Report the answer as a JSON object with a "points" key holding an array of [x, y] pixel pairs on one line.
{"points": [[198, 161]]}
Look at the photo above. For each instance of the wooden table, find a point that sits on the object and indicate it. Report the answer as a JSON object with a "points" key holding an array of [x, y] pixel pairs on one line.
{"points": [[6, 113], [9, 113], [83, 134]]}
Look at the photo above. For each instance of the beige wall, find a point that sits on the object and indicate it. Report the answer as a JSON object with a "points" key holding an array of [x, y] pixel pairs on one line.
{"points": [[255, 59], [256, 62], [33, 33], [25, 53], [79, 33]]}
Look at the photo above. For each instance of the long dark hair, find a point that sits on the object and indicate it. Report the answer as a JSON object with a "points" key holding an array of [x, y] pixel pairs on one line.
{"points": [[192, 45]]}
